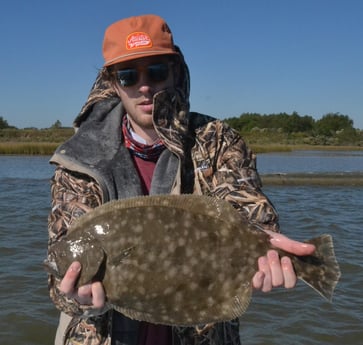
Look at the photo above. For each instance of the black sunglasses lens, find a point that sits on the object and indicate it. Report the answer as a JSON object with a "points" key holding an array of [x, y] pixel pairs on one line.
{"points": [[158, 72], [127, 77]]}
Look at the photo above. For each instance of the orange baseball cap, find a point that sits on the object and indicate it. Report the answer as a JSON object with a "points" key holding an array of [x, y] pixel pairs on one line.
{"points": [[136, 37]]}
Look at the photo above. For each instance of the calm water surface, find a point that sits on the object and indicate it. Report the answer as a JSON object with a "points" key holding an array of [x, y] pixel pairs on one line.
{"points": [[311, 162], [299, 316]]}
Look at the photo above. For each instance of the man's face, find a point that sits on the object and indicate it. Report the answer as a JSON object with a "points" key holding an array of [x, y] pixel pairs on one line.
{"points": [[138, 81]]}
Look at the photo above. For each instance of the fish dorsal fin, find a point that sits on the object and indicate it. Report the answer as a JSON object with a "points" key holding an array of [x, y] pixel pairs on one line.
{"points": [[201, 204], [192, 203]]}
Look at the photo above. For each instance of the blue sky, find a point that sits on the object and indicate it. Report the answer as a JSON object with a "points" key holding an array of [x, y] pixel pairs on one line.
{"points": [[264, 56]]}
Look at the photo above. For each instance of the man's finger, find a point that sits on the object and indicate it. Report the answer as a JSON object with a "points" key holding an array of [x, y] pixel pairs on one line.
{"points": [[289, 245], [257, 280], [277, 277], [98, 295], [264, 267], [288, 272], [85, 291], [69, 280]]}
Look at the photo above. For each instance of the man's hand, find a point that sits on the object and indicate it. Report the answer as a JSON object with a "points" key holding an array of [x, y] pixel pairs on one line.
{"points": [[90, 294], [275, 271]]}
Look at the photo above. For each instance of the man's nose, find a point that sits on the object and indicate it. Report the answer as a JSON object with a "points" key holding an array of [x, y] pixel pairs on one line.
{"points": [[144, 84]]}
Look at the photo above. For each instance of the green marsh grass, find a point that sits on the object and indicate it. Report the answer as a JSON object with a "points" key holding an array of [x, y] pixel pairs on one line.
{"points": [[34, 141], [27, 148], [47, 148]]}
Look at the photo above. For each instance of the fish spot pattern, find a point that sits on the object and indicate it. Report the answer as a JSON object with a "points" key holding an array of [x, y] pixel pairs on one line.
{"points": [[177, 260]]}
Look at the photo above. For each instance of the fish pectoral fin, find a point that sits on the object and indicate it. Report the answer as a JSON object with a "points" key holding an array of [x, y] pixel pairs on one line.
{"points": [[125, 253]]}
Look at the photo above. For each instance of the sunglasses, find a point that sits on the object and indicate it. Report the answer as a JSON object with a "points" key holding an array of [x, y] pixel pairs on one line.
{"points": [[155, 73]]}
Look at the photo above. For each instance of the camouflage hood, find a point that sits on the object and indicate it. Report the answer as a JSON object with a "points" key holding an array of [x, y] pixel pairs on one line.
{"points": [[97, 149], [102, 90]]}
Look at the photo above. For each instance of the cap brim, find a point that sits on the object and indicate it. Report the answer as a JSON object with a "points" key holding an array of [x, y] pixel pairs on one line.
{"points": [[138, 55]]}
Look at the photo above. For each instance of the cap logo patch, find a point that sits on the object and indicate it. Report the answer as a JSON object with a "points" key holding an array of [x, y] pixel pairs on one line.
{"points": [[138, 40]]}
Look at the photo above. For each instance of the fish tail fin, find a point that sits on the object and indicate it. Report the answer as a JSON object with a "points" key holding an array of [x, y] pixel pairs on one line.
{"points": [[320, 270]]}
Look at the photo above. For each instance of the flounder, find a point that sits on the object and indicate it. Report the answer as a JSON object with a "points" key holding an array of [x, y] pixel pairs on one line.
{"points": [[178, 259]]}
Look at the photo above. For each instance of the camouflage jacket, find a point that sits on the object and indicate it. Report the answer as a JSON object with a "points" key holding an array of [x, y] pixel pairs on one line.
{"points": [[203, 156]]}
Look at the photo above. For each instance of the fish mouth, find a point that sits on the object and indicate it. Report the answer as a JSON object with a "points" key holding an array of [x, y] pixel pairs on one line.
{"points": [[51, 266]]}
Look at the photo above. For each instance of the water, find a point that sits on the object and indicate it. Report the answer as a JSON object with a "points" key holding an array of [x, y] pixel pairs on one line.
{"points": [[311, 162], [27, 316], [298, 316]]}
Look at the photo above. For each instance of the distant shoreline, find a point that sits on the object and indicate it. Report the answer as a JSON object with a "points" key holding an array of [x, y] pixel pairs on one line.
{"points": [[313, 179], [32, 141], [47, 148]]}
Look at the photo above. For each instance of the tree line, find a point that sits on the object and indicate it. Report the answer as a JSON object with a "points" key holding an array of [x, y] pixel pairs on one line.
{"points": [[329, 124], [332, 128], [5, 125]]}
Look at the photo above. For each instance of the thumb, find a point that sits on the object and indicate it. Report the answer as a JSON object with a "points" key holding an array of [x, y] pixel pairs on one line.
{"points": [[294, 247]]}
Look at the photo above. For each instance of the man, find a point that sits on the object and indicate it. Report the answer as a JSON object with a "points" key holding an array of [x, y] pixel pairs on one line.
{"points": [[135, 135]]}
